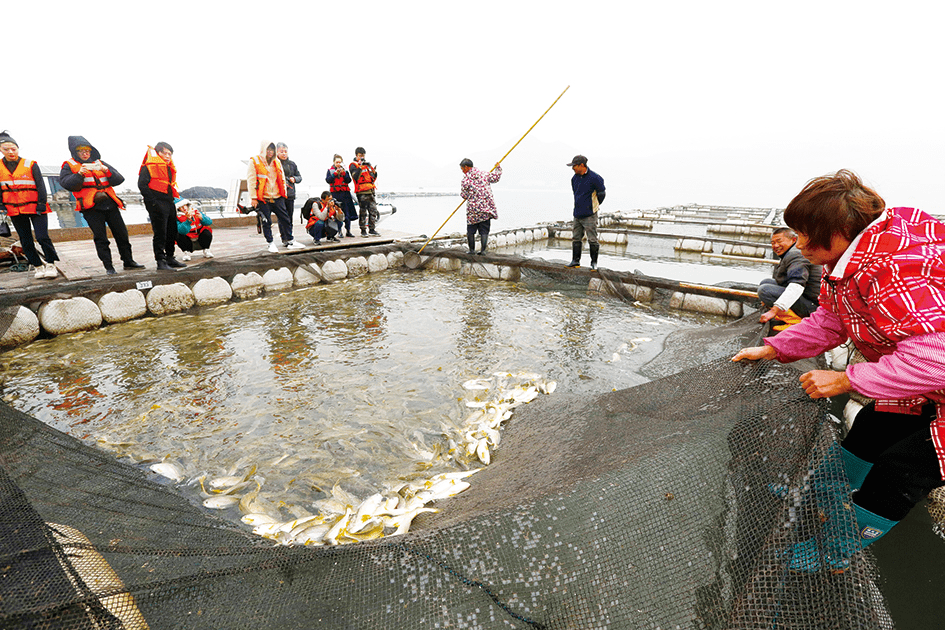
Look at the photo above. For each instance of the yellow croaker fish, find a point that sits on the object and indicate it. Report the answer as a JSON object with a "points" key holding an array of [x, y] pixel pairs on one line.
{"points": [[338, 529], [365, 513], [169, 470], [482, 451], [401, 523], [221, 501], [246, 502], [254, 519]]}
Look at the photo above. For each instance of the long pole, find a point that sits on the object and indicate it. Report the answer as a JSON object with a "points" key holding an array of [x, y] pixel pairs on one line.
{"points": [[497, 163]]}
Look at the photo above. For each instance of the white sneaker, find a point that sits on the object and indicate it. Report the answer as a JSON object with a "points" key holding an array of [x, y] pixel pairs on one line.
{"points": [[272, 247], [185, 256], [207, 254], [51, 271], [40, 271], [295, 245]]}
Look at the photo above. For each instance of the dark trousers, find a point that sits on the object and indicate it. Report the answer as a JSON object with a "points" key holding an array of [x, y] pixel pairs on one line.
{"points": [[285, 222], [368, 215], [204, 238], [25, 226], [483, 229], [317, 230], [905, 467], [769, 291], [163, 217], [100, 216], [343, 198], [290, 207]]}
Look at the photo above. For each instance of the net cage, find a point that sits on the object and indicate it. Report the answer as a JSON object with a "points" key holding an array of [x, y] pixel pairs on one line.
{"points": [[676, 503]]}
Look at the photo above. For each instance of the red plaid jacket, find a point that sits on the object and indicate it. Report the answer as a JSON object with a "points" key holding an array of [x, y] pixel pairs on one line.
{"points": [[888, 286]]}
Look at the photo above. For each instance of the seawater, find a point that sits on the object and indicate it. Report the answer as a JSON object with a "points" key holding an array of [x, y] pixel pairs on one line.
{"points": [[354, 383]]}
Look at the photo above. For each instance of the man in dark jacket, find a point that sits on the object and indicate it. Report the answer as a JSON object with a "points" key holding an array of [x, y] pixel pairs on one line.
{"points": [[292, 177], [92, 182], [793, 290], [589, 191], [157, 181]]}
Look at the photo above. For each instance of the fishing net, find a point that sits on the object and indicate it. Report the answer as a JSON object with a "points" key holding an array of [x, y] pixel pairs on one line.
{"points": [[676, 503]]}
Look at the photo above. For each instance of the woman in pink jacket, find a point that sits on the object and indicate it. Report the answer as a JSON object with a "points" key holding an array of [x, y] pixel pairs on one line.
{"points": [[883, 288]]}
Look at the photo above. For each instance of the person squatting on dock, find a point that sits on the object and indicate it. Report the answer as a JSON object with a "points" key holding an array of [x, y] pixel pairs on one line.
{"points": [[884, 288], [193, 229], [265, 180], [589, 192], [292, 177], [92, 182], [476, 189], [793, 289], [23, 199], [339, 178], [157, 182], [364, 175], [324, 218]]}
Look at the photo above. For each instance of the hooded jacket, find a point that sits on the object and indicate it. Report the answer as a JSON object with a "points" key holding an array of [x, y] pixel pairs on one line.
{"points": [[106, 174], [266, 181]]}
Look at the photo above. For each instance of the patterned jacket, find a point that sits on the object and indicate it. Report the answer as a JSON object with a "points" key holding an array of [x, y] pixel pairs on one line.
{"points": [[476, 190], [887, 294]]}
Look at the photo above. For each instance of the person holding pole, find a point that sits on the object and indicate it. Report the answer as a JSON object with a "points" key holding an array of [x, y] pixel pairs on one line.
{"points": [[480, 205], [589, 191], [883, 288]]}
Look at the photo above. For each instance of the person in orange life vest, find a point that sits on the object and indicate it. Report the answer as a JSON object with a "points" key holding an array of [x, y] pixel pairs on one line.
{"points": [[266, 183], [336, 217], [339, 178], [193, 229], [157, 181], [292, 177], [364, 175], [23, 198], [317, 215], [92, 182]]}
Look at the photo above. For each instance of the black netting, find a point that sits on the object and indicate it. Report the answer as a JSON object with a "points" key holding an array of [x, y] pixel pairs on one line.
{"points": [[675, 503]]}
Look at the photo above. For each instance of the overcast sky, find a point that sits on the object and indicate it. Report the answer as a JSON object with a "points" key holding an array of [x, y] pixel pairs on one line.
{"points": [[734, 103]]}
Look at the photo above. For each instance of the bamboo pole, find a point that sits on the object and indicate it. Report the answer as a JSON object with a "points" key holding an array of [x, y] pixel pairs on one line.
{"points": [[493, 168]]}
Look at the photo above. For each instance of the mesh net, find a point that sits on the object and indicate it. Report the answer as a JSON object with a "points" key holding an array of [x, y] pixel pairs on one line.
{"points": [[677, 503]]}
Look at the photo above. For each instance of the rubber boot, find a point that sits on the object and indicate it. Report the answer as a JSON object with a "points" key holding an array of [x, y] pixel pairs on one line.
{"points": [[839, 543], [483, 240], [594, 248], [471, 242], [575, 255], [856, 468]]}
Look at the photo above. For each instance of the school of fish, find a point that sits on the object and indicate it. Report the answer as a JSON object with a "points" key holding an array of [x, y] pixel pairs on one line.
{"points": [[343, 518]]}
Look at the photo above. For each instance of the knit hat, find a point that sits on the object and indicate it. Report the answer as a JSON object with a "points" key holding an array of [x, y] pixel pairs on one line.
{"points": [[181, 202], [5, 137]]}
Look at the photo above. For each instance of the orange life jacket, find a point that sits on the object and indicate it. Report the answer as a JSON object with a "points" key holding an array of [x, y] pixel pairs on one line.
{"points": [[262, 177], [163, 174], [366, 179], [338, 184], [20, 195], [95, 182]]}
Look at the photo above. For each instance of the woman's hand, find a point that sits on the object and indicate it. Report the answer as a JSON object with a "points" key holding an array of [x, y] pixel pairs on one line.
{"points": [[770, 314], [820, 384], [755, 352]]}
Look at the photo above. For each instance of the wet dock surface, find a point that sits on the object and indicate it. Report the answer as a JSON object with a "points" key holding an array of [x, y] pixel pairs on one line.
{"points": [[79, 262]]}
